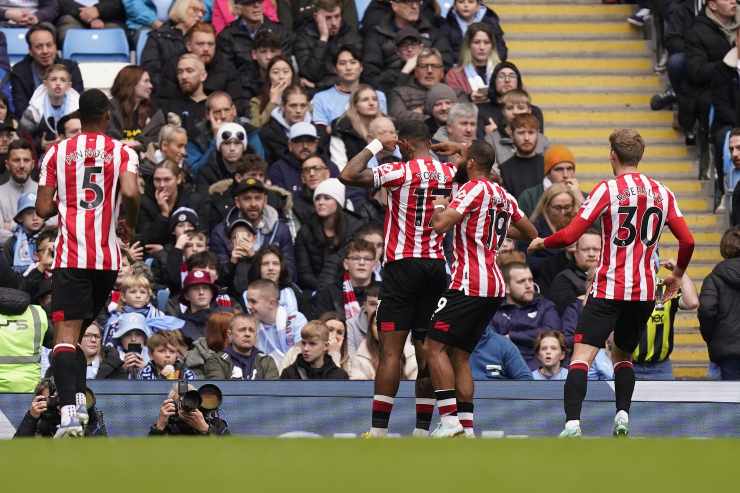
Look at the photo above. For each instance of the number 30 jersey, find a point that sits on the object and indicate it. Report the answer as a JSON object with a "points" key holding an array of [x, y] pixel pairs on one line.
{"points": [[633, 209], [412, 188], [85, 172], [487, 210]]}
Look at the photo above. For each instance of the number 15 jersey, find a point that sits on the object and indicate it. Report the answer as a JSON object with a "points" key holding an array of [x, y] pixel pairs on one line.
{"points": [[633, 209], [412, 188], [85, 171], [487, 210]]}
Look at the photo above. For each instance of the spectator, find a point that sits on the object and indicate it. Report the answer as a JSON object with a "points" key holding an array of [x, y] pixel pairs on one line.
{"points": [[524, 314], [515, 102], [652, 356], [726, 104], [734, 145], [318, 43], [203, 359], [526, 167], [367, 358], [570, 284], [20, 163], [440, 99], [200, 40], [250, 203], [349, 132], [278, 329], [241, 360], [170, 193], [506, 77], [231, 144], [177, 421], [183, 221], [477, 60], [553, 212], [294, 108], [331, 103], [237, 40], [21, 248], [51, 101], [268, 264], [129, 340], [314, 362], [190, 103], [102, 361], [375, 235], [7, 132], [550, 348], [461, 124], [166, 42], [357, 328], [42, 260], [223, 13], [322, 240], [27, 75], [471, 15], [279, 76], [719, 318], [198, 295], [497, 358], [241, 242], [313, 172], [134, 119], [303, 142], [23, 327], [105, 14], [338, 349], [267, 45], [407, 101], [379, 10], [297, 14], [28, 13], [220, 109], [146, 14], [560, 167], [165, 364], [384, 42], [173, 142]]}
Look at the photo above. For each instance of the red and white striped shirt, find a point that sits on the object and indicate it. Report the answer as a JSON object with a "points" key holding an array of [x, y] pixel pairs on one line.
{"points": [[633, 209], [413, 187], [85, 171], [487, 210]]}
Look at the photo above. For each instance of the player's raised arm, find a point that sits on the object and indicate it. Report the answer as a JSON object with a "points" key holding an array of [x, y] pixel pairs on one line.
{"points": [[356, 171]]}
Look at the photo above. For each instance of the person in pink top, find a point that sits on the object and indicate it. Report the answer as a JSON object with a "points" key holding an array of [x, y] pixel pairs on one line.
{"points": [[223, 13]]}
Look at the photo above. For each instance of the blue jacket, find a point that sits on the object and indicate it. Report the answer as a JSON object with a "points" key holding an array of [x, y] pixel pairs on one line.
{"points": [[501, 356], [522, 324], [141, 13]]}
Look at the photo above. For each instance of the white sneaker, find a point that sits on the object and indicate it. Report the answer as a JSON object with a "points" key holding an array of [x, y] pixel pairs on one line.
{"points": [[571, 430], [419, 433], [73, 429], [448, 430], [621, 425], [81, 403], [469, 433]]}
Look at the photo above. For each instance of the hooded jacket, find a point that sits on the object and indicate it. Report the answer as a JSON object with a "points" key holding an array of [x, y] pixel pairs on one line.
{"points": [[706, 46], [453, 31], [195, 324], [719, 316], [300, 370], [36, 118], [274, 135], [23, 82], [221, 199]]}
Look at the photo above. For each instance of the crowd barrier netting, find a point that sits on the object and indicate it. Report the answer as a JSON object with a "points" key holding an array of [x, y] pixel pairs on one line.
{"points": [[504, 408]]}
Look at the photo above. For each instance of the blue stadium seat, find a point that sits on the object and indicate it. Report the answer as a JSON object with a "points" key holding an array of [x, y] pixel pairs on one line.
{"points": [[140, 43], [361, 6], [16, 39], [96, 45]]}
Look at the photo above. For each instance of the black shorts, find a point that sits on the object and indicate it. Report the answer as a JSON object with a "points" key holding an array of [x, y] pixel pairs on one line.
{"points": [[628, 320], [409, 295], [80, 294], [460, 320]]}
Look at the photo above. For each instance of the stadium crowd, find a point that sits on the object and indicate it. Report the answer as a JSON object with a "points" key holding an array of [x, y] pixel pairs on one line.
{"points": [[251, 260]]}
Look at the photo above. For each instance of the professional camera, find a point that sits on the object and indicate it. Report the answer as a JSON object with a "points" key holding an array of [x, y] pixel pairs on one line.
{"points": [[187, 400]]}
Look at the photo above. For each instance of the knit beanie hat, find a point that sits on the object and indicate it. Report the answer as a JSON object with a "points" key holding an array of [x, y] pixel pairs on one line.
{"points": [[333, 188], [231, 131], [437, 92], [556, 154]]}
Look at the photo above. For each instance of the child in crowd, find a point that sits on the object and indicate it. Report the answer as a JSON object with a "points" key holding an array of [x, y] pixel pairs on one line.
{"points": [[130, 340], [51, 101], [242, 238], [515, 102], [551, 350], [22, 247], [268, 264], [165, 361], [241, 358], [358, 326], [198, 293], [367, 357], [314, 362], [188, 242]]}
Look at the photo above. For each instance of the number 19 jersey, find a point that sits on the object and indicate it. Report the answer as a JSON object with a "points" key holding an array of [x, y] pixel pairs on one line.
{"points": [[412, 188], [85, 170], [633, 209], [487, 210]]}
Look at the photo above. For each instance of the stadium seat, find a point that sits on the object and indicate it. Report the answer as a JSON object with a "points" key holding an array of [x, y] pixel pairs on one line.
{"points": [[16, 39], [140, 43], [100, 75], [361, 6], [96, 45]]}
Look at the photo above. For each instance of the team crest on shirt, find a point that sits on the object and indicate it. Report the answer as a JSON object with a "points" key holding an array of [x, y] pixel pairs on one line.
{"points": [[386, 168]]}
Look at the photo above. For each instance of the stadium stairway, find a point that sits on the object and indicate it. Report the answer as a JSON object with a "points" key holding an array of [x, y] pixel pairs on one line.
{"points": [[591, 72]]}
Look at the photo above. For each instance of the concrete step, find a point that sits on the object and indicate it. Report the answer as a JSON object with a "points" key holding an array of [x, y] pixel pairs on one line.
{"points": [[693, 372], [647, 84], [655, 152], [599, 170], [694, 354], [558, 98], [613, 118], [700, 254], [596, 135], [688, 339], [709, 239], [584, 65], [549, 47], [560, 12], [686, 322], [609, 30]]}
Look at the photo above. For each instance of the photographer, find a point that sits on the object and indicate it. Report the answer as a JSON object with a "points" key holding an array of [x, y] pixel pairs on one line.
{"points": [[43, 418], [175, 418]]}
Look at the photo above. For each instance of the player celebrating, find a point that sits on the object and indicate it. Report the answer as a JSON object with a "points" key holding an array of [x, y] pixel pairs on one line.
{"points": [[480, 213], [414, 275], [634, 209], [82, 179]]}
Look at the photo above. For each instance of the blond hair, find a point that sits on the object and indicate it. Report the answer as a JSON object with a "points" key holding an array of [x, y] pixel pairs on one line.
{"points": [[136, 281], [548, 196], [179, 10], [315, 329]]}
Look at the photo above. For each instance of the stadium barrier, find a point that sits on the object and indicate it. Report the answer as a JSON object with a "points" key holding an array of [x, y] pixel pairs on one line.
{"points": [[335, 408]]}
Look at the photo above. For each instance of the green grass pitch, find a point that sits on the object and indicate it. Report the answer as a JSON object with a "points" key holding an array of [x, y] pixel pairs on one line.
{"points": [[258, 465]]}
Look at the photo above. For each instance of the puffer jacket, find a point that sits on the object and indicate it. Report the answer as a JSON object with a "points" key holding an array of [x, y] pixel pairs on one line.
{"points": [[221, 200], [719, 316], [405, 99], [316, 58], [163, 44], [706, 46], [235, 43]]}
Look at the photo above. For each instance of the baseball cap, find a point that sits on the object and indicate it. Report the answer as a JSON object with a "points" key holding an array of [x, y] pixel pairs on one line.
{"points": [[25, 202], [250, 184], [303, 129], [239, 222], [406, 33], [182, 214]]}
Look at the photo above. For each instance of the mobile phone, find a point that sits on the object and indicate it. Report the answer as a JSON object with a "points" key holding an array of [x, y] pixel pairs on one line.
{"points": [[134, 347]]}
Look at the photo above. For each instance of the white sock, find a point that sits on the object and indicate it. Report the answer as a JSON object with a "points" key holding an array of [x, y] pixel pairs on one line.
{"points": [[450, 420], [622, 415], [574, 423], [68, 413], [378, 432]]}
